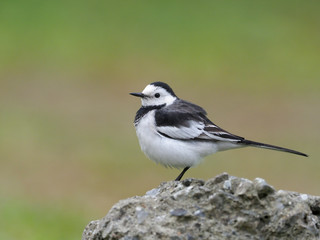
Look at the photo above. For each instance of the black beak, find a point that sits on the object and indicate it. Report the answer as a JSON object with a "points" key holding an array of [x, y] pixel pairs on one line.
{"points": [[138, 94]]}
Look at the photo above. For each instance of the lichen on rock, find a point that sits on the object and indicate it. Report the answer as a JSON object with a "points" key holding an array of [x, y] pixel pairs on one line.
{"points": [[224, 207]]}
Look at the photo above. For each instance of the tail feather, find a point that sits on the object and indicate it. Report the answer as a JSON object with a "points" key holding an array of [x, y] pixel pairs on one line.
{"points": [[272, 147]]}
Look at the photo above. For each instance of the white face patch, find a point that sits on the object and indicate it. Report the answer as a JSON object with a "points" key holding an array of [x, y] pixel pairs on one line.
{"points": [[155, 96]]}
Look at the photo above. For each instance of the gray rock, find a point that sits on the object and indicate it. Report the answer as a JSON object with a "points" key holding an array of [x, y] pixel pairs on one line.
{"points": [[224, 207]]}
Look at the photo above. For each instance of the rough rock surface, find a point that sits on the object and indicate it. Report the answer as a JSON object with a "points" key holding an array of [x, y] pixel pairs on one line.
{"points": [[224, 207]]}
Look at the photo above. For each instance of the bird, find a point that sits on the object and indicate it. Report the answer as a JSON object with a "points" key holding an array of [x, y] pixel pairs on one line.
{"points": [[177, 133]]}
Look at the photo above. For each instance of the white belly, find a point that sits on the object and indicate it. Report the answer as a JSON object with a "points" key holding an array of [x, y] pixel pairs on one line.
{"points": [[170, 152]]}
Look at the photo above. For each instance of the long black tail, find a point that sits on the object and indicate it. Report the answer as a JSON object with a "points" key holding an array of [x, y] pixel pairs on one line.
{"points": [[272, 147]]}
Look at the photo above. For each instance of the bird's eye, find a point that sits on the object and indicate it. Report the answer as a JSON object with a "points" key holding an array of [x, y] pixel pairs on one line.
{"points": [[157, 95]]}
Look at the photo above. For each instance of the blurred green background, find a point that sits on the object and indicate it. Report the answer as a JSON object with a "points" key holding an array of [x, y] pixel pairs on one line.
{"points": [[68, 148]]}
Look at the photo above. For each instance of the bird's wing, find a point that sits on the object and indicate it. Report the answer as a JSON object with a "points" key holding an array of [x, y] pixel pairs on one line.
{"points": [[216, 133], [187, 121]]}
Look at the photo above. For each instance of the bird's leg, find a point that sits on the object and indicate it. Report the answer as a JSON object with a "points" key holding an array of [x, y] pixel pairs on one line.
{"points": [[182, 173]]}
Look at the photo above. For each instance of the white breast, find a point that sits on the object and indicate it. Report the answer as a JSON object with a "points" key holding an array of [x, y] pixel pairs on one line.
{"points": [[167, 151]]}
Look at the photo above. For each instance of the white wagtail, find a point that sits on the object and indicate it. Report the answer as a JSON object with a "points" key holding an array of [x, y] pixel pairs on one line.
{"points": [[177, 133]]}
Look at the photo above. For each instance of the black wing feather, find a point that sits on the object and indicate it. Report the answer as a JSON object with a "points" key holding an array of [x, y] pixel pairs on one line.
{"points": [[179, 114], [182, 114]]}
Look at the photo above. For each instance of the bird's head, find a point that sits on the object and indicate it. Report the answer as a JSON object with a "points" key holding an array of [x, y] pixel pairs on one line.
{"points": [[156, 94]]}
